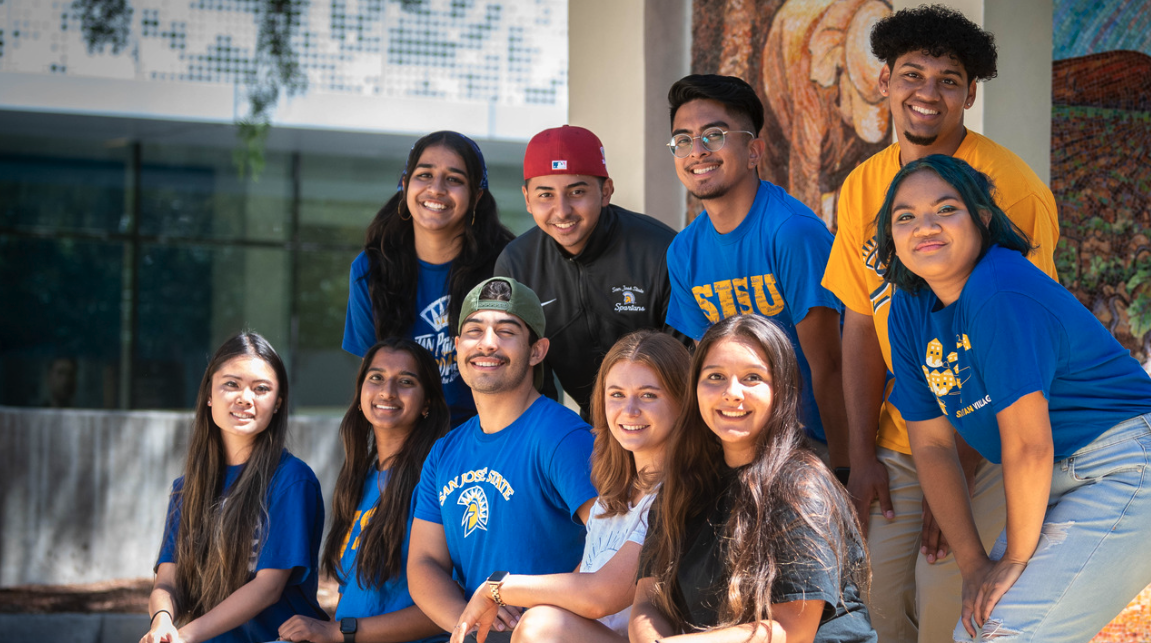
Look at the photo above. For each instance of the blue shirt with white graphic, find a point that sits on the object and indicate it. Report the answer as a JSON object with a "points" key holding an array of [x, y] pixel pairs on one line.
{"points": [[771, 265], [295, 523], [507, 500], [1013, 331], [430, 329], [359, 601]]}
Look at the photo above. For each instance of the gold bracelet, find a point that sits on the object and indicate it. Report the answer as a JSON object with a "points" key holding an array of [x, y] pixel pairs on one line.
{"points": [[495, 589]]}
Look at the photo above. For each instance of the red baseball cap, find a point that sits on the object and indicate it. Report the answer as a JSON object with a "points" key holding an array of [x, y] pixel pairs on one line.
{"points": [[565, 150]]}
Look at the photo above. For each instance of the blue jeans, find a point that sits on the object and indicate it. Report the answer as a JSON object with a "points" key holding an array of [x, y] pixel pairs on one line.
{"points": [[1092, 556]]}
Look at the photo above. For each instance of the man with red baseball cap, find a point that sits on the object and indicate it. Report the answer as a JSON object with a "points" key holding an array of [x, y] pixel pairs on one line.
{"points": [[599, 270]]}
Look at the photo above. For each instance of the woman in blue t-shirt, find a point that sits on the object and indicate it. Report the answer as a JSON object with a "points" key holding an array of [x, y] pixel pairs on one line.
{"points": [[985, 344], [387, 431], [431, 243], [244, 521]]}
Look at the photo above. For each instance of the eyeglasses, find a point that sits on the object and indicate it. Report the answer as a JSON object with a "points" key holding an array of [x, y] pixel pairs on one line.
{"points": [[712, 141]]}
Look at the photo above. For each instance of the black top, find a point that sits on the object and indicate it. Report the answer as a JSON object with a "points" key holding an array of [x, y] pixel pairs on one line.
{"points": [[808, 573], [616, 285]]}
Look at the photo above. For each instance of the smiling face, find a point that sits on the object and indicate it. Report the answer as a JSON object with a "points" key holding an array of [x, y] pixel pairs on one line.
{"points": [[711, 175], [735, 396], [493, 352], [245, 395], [392, 397], [934, 234], [438, 194], [927, 96], [567, 206], [639, 411]]}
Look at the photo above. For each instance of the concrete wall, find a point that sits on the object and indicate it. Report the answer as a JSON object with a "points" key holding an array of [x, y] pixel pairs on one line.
{"points": [[623, 57], [83, 493]]}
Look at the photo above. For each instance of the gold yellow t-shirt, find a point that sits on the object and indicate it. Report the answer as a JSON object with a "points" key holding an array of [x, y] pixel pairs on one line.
{"points": [[851, 270]]}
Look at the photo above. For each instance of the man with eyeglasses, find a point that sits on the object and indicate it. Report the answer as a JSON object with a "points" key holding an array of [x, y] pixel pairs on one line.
{"points": [[599, 269], [754, 248]]}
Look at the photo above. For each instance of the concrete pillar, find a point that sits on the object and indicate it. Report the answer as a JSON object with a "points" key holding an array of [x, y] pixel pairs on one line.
{"points": [[622, 58], [1013, 109]]}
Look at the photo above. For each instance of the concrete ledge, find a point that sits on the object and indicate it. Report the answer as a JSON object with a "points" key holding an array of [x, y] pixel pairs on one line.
{"points": [[73, 628]]}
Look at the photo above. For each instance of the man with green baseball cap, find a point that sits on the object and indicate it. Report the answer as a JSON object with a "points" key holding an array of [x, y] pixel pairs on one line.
{"points": [[499, 493]]}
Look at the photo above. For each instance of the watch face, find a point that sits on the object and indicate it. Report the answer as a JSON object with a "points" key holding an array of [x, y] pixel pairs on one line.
{"points": [[347, 626], [498, 577]]}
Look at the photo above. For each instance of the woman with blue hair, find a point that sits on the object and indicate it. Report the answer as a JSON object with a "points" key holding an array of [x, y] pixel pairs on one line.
{"points": [[985, 344]]}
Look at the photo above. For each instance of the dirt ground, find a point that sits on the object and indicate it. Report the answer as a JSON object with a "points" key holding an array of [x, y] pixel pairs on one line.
{"points": [[131, 597]]}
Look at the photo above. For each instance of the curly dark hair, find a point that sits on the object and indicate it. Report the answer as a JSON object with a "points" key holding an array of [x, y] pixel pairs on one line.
{"points": [[936, 31], [733, 93]]}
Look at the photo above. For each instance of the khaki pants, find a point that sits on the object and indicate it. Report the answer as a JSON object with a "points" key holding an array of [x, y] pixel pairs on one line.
{"points": [[911, 600]]}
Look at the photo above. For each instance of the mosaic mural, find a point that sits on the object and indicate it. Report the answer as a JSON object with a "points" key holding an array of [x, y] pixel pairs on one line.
{"points": [[1101, 177], [810, 62], [1101, 161]]}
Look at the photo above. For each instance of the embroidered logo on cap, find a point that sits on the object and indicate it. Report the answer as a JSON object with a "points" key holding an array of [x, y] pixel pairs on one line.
{"points": [[559, 165]]}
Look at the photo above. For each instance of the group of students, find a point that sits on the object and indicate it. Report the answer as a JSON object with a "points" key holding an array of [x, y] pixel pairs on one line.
{"points": [[908, 431]]}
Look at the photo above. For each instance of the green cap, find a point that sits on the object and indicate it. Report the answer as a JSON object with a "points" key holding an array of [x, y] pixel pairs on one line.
{"points": [[522, 303]]}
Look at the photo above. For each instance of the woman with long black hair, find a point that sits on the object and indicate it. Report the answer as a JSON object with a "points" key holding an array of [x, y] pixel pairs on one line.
{"points": [[427, 247], [397, 414], [245, 520]]}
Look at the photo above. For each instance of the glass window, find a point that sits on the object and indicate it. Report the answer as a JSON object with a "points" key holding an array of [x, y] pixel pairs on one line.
{"points": [[192, 298], [340, 196], [325, 373], [44, 186], [61, 322], [196, 193]]}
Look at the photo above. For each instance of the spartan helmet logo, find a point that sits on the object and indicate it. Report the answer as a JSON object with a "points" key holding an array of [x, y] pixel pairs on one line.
{"points": [[476, 512], [628, 297]]}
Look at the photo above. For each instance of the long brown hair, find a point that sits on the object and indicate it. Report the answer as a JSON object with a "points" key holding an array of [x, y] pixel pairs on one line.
{"points": [[390, 243], [214, 538], [379, 556], [613, 469], [784, 485]]}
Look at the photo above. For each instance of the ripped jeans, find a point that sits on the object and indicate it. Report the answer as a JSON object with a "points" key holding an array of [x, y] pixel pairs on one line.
{"points": [[1092, 557]]}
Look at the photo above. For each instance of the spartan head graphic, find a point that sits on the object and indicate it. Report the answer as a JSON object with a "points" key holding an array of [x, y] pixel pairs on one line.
{"points": [[628, 297], [476, 510]]}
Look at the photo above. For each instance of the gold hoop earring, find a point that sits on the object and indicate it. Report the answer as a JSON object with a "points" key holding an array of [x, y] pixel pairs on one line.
{"points": [[425, 413], [473, 216], [403, 206]]}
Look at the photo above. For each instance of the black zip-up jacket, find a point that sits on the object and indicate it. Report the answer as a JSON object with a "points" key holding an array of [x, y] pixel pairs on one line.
{"points": [[616, 285]]}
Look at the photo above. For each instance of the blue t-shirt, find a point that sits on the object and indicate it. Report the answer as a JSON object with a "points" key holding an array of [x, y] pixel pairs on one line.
{"points": [[355, 599], [430, 329], [771, 265], [1013, 331], [295, 525], [507, 500]]}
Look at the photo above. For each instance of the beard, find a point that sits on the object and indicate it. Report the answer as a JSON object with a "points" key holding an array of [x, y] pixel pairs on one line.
{"points": [[922, 141]]}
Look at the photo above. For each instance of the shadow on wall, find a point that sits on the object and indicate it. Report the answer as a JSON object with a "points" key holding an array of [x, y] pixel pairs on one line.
{"points": [[83, 493], [810, 62], [1101, 177]]}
